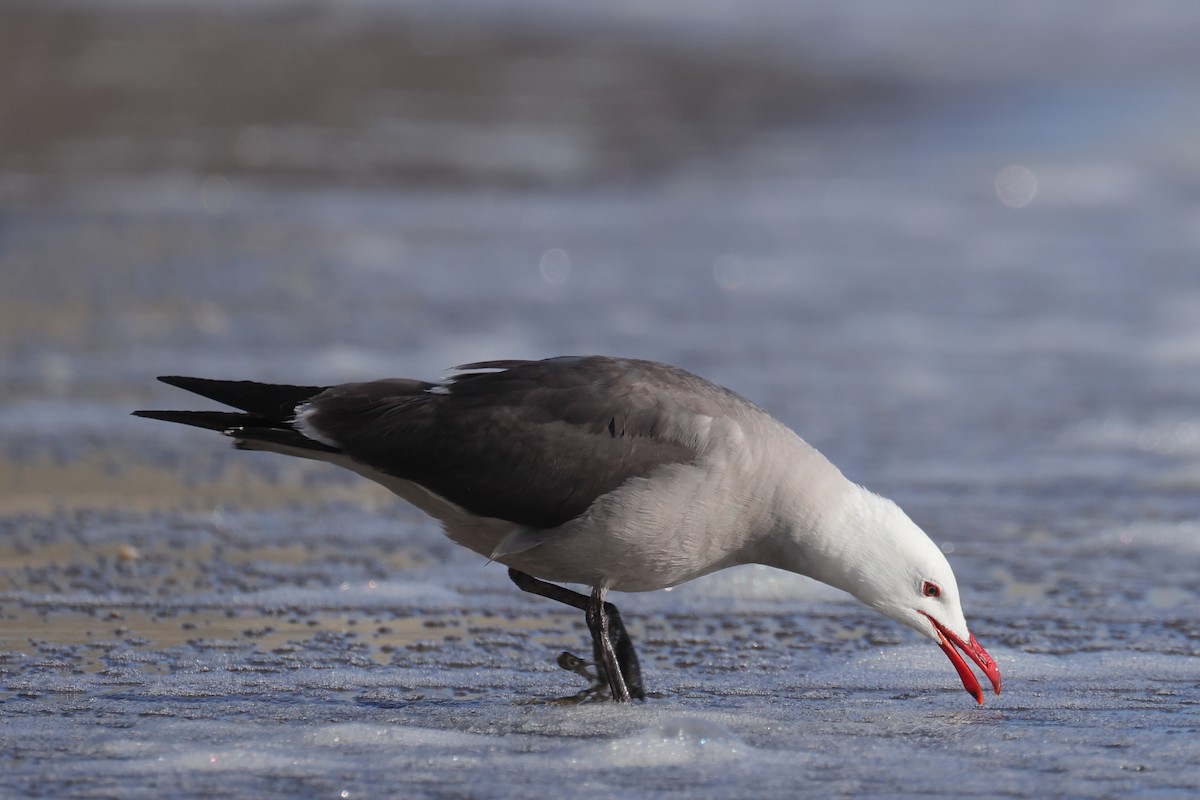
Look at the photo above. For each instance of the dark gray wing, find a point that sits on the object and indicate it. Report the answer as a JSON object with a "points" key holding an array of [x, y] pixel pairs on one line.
{"points": [[534, 442]]}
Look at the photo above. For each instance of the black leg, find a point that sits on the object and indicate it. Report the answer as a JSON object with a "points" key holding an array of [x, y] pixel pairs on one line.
{"points": [[628, 670], [597, 621], [627, 658]]}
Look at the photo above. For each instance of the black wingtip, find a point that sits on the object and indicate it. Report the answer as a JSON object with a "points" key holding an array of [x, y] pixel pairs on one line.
{"points": [[274, 401], [148, 414], [186, 383]]}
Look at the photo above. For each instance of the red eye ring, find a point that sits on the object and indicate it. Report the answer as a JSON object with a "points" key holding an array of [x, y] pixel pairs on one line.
{"points": [[931, 589]]}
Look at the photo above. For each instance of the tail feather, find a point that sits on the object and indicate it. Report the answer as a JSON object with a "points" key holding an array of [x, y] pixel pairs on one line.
{"points": [[209, 420], [248, 438]]}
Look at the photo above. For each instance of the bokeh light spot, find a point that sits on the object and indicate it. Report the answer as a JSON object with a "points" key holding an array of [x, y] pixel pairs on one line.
{"points": [[729, 271], [555, 266], [1016, 186], [216, 193]]}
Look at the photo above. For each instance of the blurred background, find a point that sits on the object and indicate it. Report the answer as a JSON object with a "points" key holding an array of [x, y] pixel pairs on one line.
{"points": [[955, 245], [916, 231]]}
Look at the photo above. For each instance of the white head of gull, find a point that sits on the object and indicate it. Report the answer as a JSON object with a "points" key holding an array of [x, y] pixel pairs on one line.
{"points": [[618, 474]]}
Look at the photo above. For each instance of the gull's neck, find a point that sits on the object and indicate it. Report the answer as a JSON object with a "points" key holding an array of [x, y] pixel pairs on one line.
{"points": [[824, 526]]}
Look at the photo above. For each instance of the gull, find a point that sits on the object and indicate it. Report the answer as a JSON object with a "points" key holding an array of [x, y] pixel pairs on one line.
{"points": [[617, 474]]}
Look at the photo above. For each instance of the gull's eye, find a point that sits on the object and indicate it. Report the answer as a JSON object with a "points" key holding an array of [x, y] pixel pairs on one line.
{"points": [[931, 589]]}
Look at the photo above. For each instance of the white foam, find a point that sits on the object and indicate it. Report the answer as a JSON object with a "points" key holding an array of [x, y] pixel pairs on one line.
{"points": [[678, 741]]}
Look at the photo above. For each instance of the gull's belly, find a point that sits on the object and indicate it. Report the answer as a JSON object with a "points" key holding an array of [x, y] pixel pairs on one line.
{"points": [[678, 523]]}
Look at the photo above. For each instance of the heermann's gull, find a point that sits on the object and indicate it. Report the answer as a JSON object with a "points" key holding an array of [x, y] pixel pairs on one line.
{"points": [[612, 473]]}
